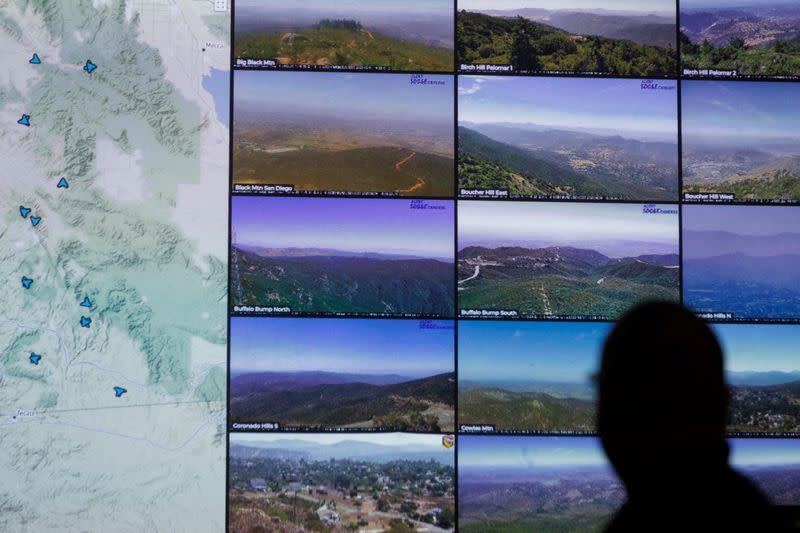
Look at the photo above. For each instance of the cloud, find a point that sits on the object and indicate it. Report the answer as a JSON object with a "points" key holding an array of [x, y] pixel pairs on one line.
{"points": [[723, 105], [477, 84]]}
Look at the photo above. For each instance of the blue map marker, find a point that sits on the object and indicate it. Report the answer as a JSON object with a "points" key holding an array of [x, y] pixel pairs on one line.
{"points": [[27, 282], [35, 358], [63, 183], [90, 67], [35, 60], [86, 321], [24, 211], [35, 221], [25, 120], [119, 391], [86, 302]]}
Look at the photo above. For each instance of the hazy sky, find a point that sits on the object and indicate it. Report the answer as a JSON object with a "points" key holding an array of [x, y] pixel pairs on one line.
{"points": [[697, 4], [571, 103], [726, 109], [760, 348], [548, 452], [491, 222], [645, 6], [383, 439], [346, 224], [353, 6], [529, 452], [374, 96], [764, 452], [743, 220], [351, 346], [536, 351]]}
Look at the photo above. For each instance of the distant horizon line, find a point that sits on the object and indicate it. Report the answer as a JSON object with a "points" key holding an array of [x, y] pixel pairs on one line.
{"points": [[577, 129], [610, 12], [343, 373], [400, 255], [548, 246]]}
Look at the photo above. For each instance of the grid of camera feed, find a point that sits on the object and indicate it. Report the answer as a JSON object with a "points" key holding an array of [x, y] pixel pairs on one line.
{"points": [[438, 211]]}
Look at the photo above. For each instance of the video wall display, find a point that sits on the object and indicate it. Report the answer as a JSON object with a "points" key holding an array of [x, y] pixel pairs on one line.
{"points": [[439, 210]]}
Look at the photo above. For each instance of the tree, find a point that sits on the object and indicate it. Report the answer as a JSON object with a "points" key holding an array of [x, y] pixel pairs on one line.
{"points": [[737, 43], [383, 504], [523, 54], [408, 507]]}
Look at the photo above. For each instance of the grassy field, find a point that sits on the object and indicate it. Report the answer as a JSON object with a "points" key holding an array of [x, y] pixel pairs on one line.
{"points": [[381, 169], [342, 47]]}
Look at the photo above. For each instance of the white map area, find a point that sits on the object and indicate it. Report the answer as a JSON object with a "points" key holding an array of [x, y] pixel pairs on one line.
{"points": [[142, 232]]}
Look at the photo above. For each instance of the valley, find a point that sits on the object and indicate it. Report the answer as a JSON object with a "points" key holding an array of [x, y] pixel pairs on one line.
{"points": [[544, 162], [757, 40]]}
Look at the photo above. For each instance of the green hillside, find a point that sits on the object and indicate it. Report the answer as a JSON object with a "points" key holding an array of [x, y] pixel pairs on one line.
{"points": [[531, 46], [341, 43], [781, 58], [778, 185], [400, 406], [320, 284], [524, 410], [484, 163], [593, 295]]}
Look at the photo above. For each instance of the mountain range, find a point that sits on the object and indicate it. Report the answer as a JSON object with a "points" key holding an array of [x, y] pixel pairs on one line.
{"points": [[347, 449], [562, 280], [245, 383], [650, 29], [530, 160], [762, 379], [323, 252], [345, 284], [710, 243], [757, 25]]}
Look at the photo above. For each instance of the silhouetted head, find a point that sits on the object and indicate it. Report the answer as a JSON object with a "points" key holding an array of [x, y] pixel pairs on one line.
{"points": [[662, 399]]}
